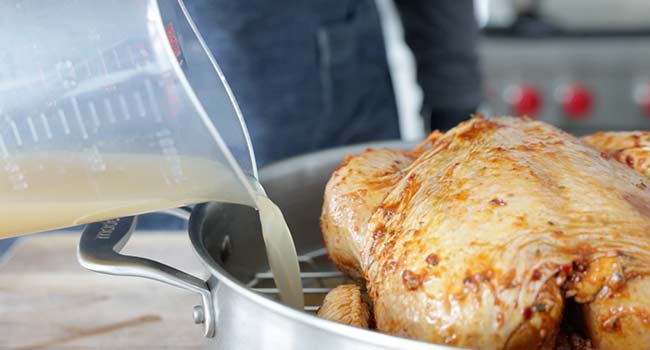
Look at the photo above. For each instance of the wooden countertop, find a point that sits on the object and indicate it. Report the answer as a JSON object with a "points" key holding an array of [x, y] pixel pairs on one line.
{"points": [[48, 301]]}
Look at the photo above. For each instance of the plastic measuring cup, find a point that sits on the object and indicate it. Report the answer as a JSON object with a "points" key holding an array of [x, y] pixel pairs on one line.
{"points": [[104, 111]]}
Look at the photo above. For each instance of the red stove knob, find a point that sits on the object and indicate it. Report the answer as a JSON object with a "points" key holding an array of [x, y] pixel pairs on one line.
{"points": [[576, 101], [524, 100]]}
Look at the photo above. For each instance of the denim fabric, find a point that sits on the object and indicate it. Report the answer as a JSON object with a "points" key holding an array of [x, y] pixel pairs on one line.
{"points": [[5, 244], [307, 74], [444, 35]]}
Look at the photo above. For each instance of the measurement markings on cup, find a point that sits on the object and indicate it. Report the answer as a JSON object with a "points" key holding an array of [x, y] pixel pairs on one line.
{"points": [[124, 107], [64, 121], [32, 129], [46, 126], [77, 113], [139, 104], [14, 130], [109, 111], [93, 114], [152, 100], [3, 148], [103, 62]]}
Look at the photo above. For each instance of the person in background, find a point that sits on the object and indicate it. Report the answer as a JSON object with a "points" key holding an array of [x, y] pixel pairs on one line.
{"points": [[313, 74]]}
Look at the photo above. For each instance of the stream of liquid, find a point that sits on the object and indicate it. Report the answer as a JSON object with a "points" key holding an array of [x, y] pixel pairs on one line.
{"points": [[281, 252], [56, 190]]}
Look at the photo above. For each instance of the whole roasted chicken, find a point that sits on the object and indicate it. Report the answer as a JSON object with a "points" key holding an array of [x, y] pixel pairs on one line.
{"points": [[489, 235]]}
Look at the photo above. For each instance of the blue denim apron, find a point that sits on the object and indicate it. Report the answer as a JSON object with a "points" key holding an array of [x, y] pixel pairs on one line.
{"points": [[307, 75]]}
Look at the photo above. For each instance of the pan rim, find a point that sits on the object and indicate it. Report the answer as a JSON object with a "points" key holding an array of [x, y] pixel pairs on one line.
{"points": [[217, 271]]}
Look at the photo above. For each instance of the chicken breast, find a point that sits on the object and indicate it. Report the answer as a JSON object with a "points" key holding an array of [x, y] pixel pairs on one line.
{"points": [[359, 186], [479, 240]]}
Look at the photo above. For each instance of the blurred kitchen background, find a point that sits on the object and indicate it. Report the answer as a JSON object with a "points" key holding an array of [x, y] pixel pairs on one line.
{"points": [[582, 65]]}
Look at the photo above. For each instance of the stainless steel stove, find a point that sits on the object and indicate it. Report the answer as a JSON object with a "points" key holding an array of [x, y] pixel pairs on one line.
{"points": [[565, 63]]}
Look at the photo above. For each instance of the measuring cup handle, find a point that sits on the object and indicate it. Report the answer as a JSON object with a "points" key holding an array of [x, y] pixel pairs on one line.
{"points": [[99, 249]]}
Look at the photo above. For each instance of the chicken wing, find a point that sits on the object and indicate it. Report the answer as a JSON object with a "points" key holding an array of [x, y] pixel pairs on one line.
{"points": [[344, 304]]}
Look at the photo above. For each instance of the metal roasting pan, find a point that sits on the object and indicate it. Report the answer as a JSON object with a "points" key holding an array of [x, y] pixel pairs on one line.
{"points": [[239, 306]]}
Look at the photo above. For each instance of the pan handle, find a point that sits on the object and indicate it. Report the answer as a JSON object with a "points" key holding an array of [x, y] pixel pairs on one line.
{"points": [[99, 249]]}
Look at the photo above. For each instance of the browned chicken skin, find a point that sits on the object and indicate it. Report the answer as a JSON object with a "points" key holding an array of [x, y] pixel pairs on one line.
{"points": [[479, 240], [629, 147], [344, 304], [365, 182]]}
